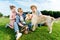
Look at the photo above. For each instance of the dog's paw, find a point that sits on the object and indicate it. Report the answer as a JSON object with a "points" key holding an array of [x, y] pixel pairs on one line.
{"points": [[50, 32]]}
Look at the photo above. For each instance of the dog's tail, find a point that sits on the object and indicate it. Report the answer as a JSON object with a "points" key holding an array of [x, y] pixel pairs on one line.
{"points": [[55, 19], [52, 18]]}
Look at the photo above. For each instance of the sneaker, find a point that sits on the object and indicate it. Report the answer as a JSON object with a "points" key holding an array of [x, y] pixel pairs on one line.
{"points": [[24, 22], [18, 36]]}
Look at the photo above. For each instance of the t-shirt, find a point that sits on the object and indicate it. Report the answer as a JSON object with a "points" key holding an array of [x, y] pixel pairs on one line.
{"points": [[22, 19], [12, 15], [37, 13]]}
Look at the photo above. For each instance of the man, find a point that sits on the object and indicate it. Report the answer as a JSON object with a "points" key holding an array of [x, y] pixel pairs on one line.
{"points": [[20, 22]]}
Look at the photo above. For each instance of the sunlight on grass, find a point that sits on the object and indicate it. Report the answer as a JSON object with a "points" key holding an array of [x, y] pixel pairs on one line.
{"points": [[41, 33]]}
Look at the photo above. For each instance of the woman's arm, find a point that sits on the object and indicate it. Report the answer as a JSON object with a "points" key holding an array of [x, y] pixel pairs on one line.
{"points": [[12, 16]]}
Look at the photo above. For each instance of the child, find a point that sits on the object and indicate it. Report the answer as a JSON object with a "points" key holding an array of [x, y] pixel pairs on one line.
{"points": [[12, 16]]}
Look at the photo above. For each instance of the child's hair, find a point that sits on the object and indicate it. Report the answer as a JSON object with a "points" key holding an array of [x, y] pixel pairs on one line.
{"points": [[11, 7], [33, 6], [19, 9]]}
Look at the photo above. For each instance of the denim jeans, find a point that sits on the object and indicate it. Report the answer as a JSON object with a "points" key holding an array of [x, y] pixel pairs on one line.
{"points": [[30, 26], [16, 27]]}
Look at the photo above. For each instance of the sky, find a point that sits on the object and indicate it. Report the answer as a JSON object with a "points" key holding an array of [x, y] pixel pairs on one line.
{"points": [[25, 5]]}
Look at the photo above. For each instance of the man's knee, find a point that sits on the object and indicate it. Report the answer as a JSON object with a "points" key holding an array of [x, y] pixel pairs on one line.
{"points": [[15, 23]]}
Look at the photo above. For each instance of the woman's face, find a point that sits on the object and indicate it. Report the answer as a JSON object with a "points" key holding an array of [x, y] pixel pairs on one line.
{"points": [[14, 10], [33, 9]]}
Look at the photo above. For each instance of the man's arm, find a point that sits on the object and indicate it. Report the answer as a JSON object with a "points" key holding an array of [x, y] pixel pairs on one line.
{"points": [[18, 21], [20, 24]]}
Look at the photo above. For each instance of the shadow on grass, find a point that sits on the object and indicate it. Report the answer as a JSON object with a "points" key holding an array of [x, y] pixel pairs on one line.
{"points": [[8, 34], [41, 33]]}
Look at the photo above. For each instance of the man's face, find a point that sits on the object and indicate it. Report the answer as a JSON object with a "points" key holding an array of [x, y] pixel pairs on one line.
{"points": [[33, 9], [21, 12]]}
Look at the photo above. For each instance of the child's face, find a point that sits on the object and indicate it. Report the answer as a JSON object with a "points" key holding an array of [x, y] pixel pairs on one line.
{"points": [[33, 9], [14, 10], [21, 11]]}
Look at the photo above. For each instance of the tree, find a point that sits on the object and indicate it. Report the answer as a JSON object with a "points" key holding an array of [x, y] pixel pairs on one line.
{"points": [[1, 14], [54, 14]]}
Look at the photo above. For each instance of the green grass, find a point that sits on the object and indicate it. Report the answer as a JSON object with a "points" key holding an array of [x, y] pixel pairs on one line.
{"points": [[40, 34]]}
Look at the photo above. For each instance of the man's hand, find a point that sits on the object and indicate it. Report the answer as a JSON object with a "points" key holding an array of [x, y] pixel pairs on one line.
{"points": [[21, 25]]}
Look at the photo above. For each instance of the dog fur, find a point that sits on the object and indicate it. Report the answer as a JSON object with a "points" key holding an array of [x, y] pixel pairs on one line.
{"points": [[40, 20]]}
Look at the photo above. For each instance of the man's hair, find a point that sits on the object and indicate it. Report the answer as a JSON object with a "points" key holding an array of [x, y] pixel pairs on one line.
{"points": [[19, 9], [33, 6], [11, 6]]}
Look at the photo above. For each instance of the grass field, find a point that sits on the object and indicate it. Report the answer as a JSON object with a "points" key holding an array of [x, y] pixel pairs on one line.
{"points": [[40, 34]]}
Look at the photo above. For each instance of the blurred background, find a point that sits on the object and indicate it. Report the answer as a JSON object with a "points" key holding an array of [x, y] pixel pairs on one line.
{"points": [[47, 7]]}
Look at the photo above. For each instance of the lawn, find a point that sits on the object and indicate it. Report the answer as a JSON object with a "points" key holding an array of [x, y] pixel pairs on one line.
{"points": [[40, 34]]}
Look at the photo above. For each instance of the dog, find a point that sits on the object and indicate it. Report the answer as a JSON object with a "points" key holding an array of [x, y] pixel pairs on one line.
{"points": [[48, 20]]}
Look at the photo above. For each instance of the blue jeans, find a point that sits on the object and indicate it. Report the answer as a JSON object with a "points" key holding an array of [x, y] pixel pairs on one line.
{"points": [[30, 26], [16, 27]]}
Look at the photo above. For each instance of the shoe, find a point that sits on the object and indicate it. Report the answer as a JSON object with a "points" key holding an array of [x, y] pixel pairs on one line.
{"points": [[18, 36], [7, 25], [24, 23]]}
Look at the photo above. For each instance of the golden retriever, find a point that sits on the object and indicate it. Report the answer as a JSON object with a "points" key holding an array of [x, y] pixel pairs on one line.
{"points": [[40, 19]]}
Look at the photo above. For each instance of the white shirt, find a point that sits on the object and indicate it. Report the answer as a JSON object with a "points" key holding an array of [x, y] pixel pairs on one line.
{"points": [[21, 18]]}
